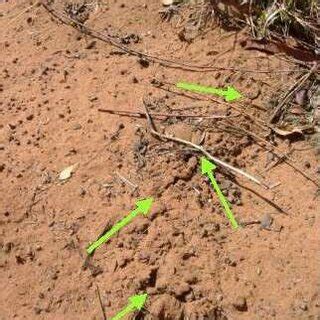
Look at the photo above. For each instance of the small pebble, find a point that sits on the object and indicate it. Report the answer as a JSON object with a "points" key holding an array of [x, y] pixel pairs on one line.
{"points": [[225, 184], [91, 44], [77, 126], [266, 221], [144, 63], [37, 310], [307, 164], [182, 289], [82, 192], [303, 306], [167, 2]]}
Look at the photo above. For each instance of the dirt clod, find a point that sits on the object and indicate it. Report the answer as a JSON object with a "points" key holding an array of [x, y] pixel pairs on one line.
{"points": [[240, 304]]}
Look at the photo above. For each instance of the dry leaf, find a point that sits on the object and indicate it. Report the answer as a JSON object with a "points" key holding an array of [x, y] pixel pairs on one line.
{"points": [[297, 110], [167, 2], [66, 173]]}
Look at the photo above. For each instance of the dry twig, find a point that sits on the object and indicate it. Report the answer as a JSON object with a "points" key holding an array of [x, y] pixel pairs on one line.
{"points": [[294, 88], [163, 115], [100, 302], [275, 151], [256, 121], [199, 148], [165, 62], [199, 96], [126, 181]]}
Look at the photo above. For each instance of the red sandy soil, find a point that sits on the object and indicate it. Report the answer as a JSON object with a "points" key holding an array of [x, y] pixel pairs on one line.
{"points": [[184, 254]]}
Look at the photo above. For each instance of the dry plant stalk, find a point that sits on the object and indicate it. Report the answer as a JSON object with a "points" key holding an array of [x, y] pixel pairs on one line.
{"points": [[100, 303], [294, 88], [258, 122], [237, 171], [148, 57], [163, 115]]}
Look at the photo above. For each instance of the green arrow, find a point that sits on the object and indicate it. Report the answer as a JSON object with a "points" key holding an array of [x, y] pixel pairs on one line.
{"points": [[207, 168], [229, 94], [135, 303], [143, 207]]}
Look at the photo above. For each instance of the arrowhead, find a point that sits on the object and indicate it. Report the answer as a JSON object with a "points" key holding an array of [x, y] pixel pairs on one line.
{"points": [[138, 301], [232, 94], [207, 166], [144, 205]]}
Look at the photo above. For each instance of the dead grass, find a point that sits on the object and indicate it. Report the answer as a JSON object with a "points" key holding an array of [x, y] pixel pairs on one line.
{"points": [[272, 18]]}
